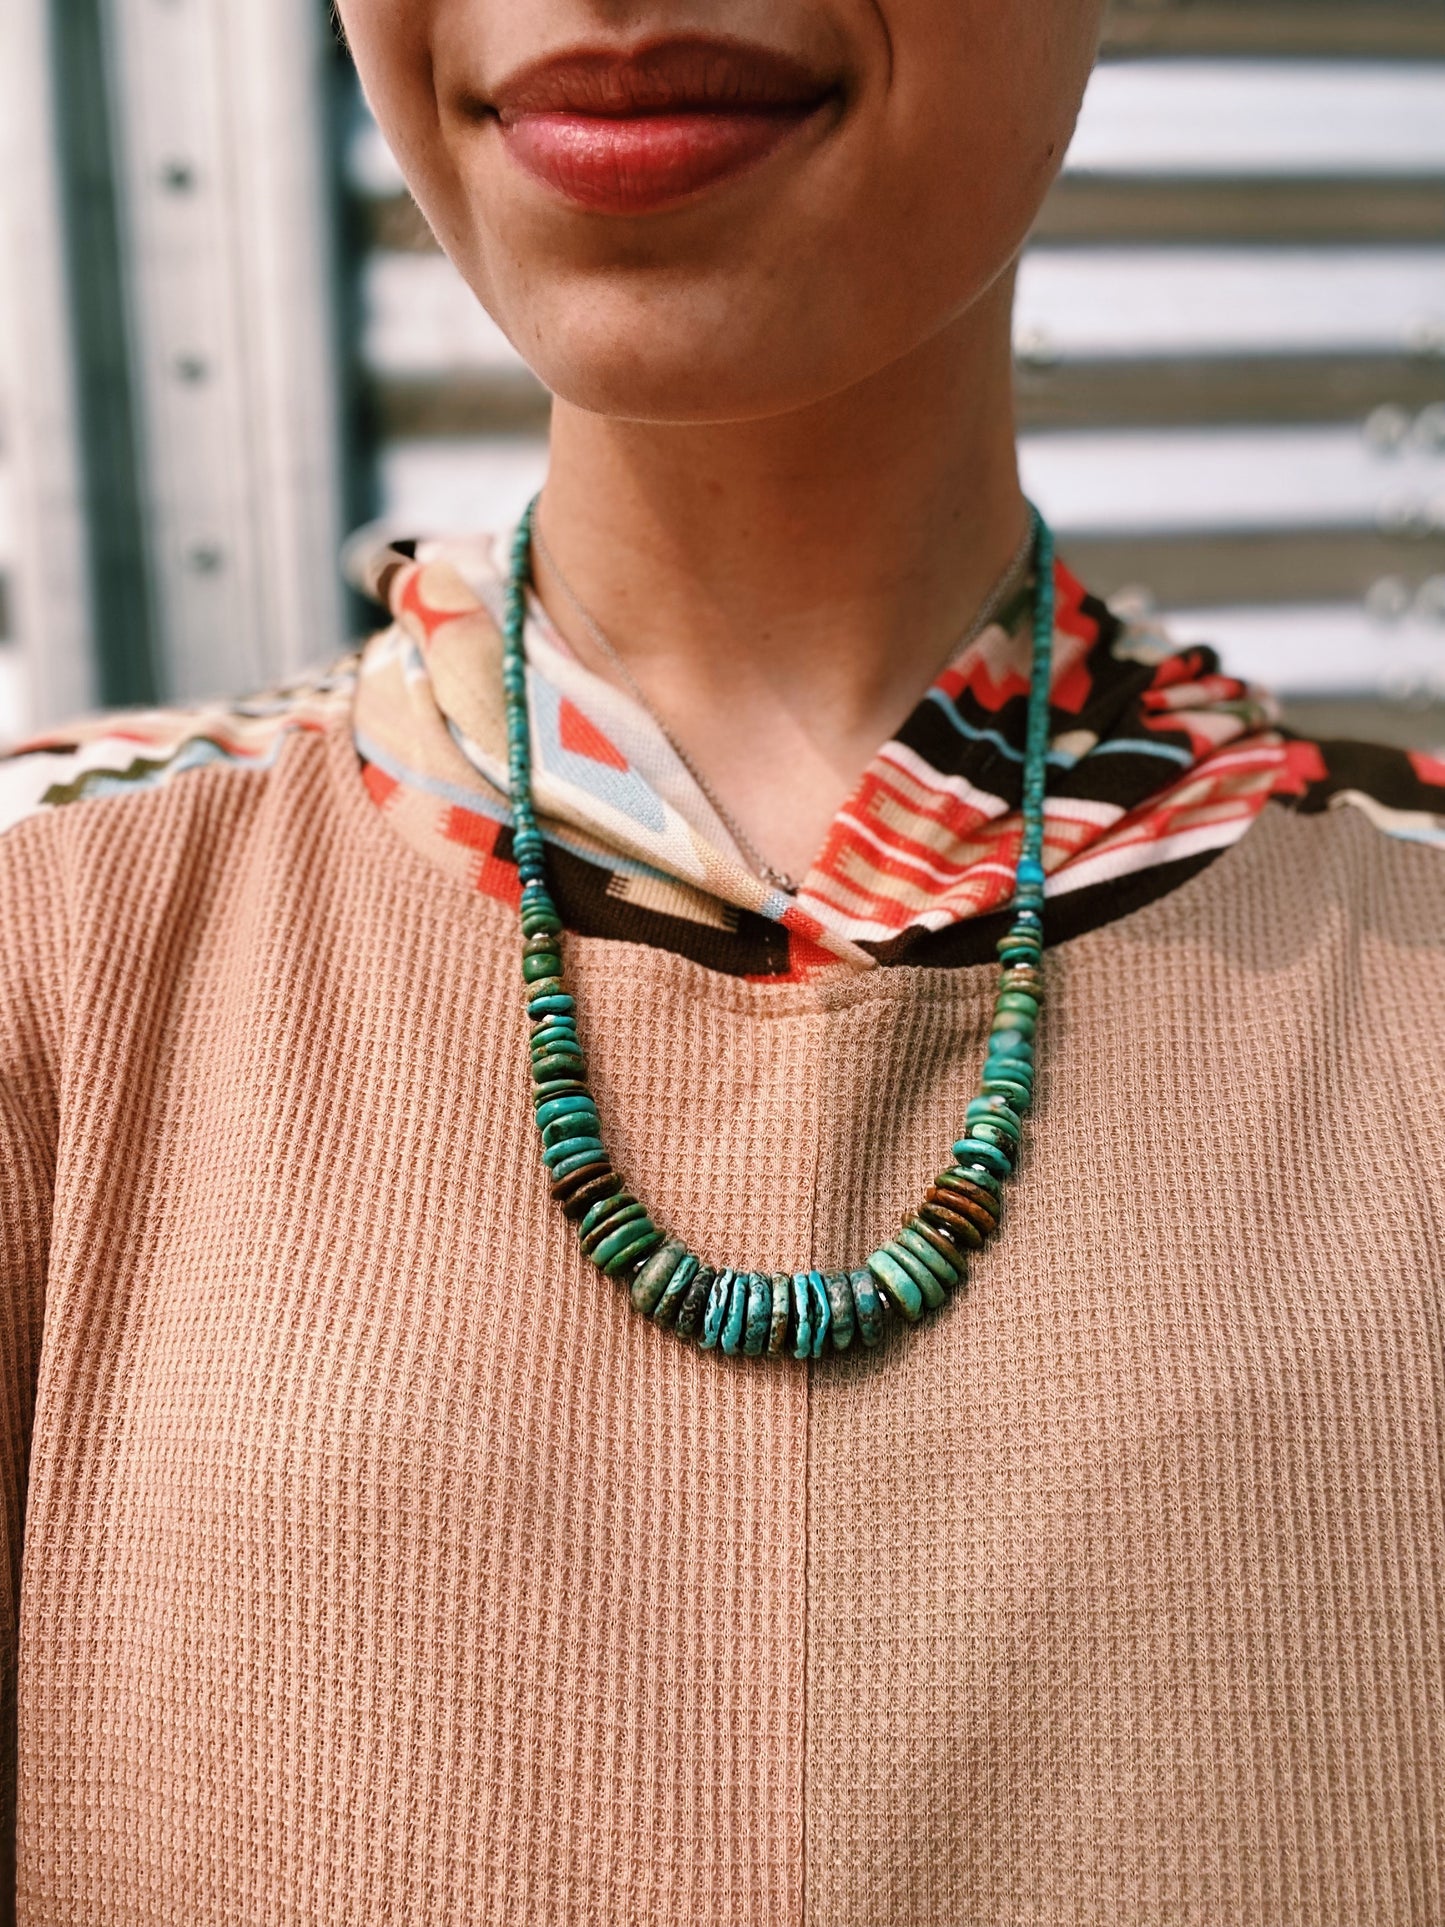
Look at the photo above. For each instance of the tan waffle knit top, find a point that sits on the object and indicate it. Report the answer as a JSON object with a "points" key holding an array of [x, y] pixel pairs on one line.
{"points": [[370, 1562]]}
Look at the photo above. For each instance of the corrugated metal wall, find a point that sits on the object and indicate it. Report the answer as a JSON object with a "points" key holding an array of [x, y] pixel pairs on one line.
{"points": [[1231, 342]]}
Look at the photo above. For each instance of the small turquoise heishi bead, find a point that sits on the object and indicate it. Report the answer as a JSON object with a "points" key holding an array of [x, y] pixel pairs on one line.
{"points": [[940, 1242], [1012, 1092], [898, 1284], [559, 1087], [921, 1274], [1013, 1020], [566, 1166], [978, 1174], [541, 922], [973, 1150], [782, 1306], [613, 1236], [800, 1321], [547, 1024], [555, 1154], [1018, 1000], [621, 1262], [690, 1312], [548, 964], [992, 1110], [624, 1240], [717, 1309], [867, 1304], [822, 1312], [1013, 1070], [555, 1047], [1012, 953], [605, 1216], [928, 1255], [736, 1320], [556, 1107], [996, 1131], [655, 1276], [545, 987], [1009, 1070], [1030, 871], [1009, 1043], [558, 1064], [602, 1211], [539, 1008], [760, 1314], [557, 1043], [563, 1129], [678, 1286]]}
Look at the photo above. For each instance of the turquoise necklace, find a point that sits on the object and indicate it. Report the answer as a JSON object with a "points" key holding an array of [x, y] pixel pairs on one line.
{"points": [[757, 1312]]}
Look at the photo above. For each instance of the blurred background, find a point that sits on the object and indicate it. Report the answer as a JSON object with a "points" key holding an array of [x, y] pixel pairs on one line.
{"points": [[227, 340]]}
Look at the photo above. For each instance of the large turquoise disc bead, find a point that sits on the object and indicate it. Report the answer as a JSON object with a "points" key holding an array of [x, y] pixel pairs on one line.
{"points": [[577, 1162], [822, 1311], [759, 1314], [898, 1283], [653, 1279], [695, 1302], [563, 1128], [928, 1255], [920, 1273], [558, 1064], [802, 1315], [735, 1323], [1008, 1088], [571, 1102], [607, 1217], [867, 1304], [634, 1244], [717, 1309], [561, 1005], [973, 1150], [555, 1154], [840, 1299], [678, 1286]]}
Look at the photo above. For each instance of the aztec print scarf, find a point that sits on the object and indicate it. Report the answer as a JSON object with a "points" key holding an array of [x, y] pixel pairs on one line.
{"points": [[1158, 763]]}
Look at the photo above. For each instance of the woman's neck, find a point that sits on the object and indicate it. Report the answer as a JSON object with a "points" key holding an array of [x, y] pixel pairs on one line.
{"points": [[784, 590]]}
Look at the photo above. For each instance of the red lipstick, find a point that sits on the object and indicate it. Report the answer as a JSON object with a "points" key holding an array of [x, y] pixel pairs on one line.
{"points": [[639, 132]]}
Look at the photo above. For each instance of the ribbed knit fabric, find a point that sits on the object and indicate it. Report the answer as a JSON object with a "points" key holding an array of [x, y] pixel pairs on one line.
{"points": [[381, 1566]]}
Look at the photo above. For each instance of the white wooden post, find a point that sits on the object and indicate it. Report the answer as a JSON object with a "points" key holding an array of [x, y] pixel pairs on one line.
{"points": [[45, 558], [221, 136]]}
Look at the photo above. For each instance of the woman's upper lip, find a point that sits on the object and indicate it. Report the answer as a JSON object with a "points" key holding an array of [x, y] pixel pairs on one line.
{"points": [[691, 73]]}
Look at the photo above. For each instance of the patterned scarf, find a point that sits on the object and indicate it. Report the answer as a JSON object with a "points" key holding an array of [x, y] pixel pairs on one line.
{"points": [[1158, 762]]}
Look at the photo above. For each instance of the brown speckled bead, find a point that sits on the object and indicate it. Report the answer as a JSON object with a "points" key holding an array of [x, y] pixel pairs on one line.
{"points": [[958, 1193], [597, 1181], [964, 1233], [1022, 977]]}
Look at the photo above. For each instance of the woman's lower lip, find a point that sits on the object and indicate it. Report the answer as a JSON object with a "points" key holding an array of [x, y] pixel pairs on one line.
{"points": [[642, 163]]}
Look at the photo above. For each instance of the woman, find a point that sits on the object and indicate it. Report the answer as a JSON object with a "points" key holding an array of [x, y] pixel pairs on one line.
{"points": [[851, 1557]]}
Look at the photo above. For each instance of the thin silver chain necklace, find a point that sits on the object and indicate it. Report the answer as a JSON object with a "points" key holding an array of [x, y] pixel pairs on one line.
{"points": [[1011, 579]]}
